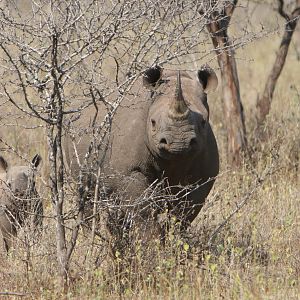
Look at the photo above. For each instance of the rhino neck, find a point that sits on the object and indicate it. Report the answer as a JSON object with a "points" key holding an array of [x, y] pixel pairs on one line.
{"points": [[179, 170]]}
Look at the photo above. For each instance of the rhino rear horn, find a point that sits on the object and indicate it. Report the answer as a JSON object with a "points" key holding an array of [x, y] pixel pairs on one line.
{"points": [[3, 164], [151, 76], [36, 160], [208, 78]]}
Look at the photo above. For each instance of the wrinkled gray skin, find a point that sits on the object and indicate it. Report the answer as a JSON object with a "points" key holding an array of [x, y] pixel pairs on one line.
{"points": [[18, 198], [163, 132]]}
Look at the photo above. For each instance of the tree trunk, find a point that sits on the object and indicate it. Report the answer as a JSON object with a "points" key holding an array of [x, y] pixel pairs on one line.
{"points": [[57, 201], [233, 108], [263, 104], [56, 159]]}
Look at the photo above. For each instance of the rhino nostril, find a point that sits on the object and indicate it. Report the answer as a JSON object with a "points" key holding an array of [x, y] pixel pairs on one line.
{"points": [[163, 141], [193, 142]]}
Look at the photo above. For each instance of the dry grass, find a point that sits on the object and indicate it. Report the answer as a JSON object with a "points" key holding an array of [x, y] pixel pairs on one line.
{"points": [[254, 256]]}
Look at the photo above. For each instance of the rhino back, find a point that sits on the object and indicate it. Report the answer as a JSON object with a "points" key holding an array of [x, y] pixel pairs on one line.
{"points": [[124, 147], [128, 147]]}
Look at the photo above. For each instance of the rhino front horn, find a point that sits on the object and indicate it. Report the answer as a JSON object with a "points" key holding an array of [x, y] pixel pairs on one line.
{"points": [[178, 107]]}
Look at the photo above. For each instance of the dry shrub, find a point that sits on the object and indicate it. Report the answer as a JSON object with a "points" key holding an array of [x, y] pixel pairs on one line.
{"points": [[255, 254]]}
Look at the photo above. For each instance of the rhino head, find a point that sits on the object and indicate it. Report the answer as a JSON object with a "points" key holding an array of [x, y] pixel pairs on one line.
{"points": [[177, 124]]}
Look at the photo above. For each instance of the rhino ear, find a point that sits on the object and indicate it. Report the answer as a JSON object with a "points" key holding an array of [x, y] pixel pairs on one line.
{"points": [[37, 159], [207, 78], [152, 76], [3, 164]]}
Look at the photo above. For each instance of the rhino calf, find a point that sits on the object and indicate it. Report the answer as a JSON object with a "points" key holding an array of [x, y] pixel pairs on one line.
{"points": [[18, 198]]}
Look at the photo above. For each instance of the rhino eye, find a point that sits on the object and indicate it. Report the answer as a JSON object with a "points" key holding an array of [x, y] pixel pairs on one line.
{"points": [[153, 124], [203, 123]]}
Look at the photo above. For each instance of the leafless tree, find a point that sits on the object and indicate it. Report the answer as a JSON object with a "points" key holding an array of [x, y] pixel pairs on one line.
{"points": [[218, 14], [264, 101], [58, 58]]}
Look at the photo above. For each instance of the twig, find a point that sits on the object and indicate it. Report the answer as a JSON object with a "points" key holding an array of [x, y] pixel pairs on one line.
{"points": [[12, 294]]}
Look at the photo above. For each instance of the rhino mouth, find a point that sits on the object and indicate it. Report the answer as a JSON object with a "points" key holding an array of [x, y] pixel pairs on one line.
{"points": [[170, 153]]}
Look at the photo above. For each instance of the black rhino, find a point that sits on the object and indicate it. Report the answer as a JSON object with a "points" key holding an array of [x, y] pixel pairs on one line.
{"points": [[162, 132]]}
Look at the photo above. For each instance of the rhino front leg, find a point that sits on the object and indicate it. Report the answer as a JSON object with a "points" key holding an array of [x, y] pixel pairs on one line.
{"points": [[137, 196], [127, 191], [135, 208], [189, 203]]}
